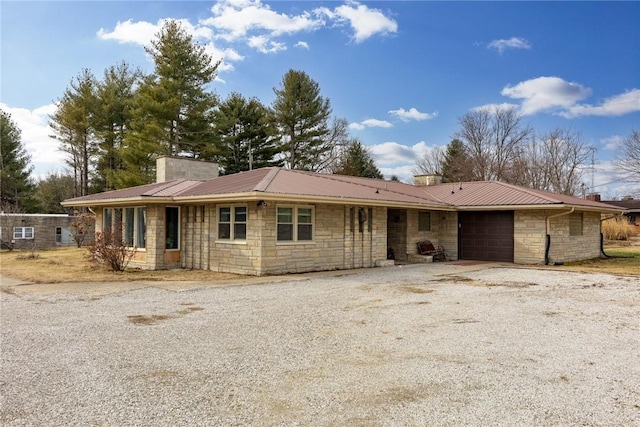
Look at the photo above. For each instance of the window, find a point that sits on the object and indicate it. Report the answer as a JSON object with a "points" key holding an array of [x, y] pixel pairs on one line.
{"points": [[173, 227], [294, 224], [424, 221], [129, 223], [575, 224], [23, 233], [232, 223], [63, 235]]}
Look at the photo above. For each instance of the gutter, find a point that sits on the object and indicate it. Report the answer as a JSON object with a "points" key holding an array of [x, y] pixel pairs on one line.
{"points": [[548, 236]]}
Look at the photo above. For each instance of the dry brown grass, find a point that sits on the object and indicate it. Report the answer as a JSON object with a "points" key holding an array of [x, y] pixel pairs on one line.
{"points": [[71, 265], [624, 260], [617, 228]]}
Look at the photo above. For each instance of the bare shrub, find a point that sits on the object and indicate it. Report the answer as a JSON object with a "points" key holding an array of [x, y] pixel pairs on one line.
{"points": [[109, 248], [617, 228], [81, 227]]}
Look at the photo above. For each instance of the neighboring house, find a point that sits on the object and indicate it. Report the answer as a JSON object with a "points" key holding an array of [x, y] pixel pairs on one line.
{"points": [[632, 207], [36, 231], [273, 221]]}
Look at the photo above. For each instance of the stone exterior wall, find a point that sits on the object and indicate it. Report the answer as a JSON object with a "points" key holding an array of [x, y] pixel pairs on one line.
{"points": [[44, 230], [447, 228], [397, 238], [337, 243], [530, 240], [566, 248]]}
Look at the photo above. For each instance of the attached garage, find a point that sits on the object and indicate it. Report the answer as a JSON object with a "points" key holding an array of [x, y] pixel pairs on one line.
{"points": [[486, 235]]}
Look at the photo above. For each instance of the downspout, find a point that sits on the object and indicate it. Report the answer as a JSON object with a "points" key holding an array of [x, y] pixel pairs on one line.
{"points": [[602, 241], [548, 236]]}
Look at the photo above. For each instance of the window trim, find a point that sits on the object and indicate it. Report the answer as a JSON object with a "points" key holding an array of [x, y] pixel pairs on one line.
{"points": [[23, 233], [123, 223], [428, 228], [295, 238], [576, 220], [232, 223]]}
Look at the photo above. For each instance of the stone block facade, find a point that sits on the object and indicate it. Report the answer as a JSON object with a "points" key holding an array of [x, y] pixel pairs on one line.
{"points": [[530, 229]]}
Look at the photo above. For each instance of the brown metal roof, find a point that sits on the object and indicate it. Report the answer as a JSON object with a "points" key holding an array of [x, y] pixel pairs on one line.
{"points": [[631, 205], [496, 194], [277, 182]]}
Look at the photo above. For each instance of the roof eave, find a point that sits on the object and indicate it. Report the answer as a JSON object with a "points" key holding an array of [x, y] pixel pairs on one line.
{"points": [[123, 201], [540, 207]]}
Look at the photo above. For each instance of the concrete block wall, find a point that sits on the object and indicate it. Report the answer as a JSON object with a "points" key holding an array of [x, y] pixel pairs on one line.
{"points": [[44, 230]]}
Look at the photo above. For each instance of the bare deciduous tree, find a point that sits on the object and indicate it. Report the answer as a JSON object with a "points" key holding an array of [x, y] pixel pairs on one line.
{"points": [[553, 162], [431, 162], [629, 156], [492, 137]]}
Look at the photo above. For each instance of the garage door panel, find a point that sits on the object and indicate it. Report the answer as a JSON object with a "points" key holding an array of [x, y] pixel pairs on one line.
{"points": [[486, 236]]}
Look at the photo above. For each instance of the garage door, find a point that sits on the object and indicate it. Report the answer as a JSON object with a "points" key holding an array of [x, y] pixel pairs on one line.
{"points": [[486, 236]]}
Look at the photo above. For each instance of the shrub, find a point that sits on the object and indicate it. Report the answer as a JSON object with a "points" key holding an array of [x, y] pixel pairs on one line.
{"points": [[617, 228], [109, 248], [82, 226]]}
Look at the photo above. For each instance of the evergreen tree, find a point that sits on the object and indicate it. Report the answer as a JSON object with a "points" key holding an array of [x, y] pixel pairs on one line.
{"points": [[112, 122], [302, 116], [357, 161], [457, 165], [52, 190], [172, 110], [244, 135], [72, 124], [16, 188]]}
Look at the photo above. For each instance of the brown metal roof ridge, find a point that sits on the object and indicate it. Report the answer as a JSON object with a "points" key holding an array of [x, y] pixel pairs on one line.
{"points": [[267, 180]]}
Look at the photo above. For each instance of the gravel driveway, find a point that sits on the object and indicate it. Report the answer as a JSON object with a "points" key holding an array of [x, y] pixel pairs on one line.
{"points": [[414, 345]]}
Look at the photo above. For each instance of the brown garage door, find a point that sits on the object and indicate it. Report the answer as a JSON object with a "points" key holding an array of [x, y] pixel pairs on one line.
{"points": [[486, 236]]}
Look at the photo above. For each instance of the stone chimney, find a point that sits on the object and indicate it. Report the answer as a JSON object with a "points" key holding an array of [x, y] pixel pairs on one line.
{"points": [[594, 197], [427, 180], [626, 198], [170, 168]]}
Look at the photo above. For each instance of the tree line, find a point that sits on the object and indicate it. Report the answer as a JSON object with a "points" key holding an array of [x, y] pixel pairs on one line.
{"points": [[113, 128], [495, 144]]}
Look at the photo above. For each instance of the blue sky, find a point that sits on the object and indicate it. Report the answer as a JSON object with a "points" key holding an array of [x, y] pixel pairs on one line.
{"points": [[401, 73]]}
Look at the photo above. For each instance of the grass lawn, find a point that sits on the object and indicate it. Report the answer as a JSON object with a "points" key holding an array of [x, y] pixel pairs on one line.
{"points": [[624, 260], [72, 265]]}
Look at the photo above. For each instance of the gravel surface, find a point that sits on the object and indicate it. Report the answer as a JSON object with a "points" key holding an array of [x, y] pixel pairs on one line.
{"points": [[395, 346]]}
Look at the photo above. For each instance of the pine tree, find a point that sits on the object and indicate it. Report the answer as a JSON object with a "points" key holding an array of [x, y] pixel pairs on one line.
{"points": [[52, 190], [73, 126], [244, 135], [16, 187], [302, 116], [457, 165], [357, 161], [112, 121], [172, 110]]}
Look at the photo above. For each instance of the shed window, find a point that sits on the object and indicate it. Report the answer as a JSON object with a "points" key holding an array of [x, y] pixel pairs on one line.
{"points": [[575, 224], [424, 221], [23, 233]]}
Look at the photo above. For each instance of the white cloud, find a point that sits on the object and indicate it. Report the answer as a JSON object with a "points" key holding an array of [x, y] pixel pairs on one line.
{"points": [[131, 32], [617, 105], [546, 94], [364, 22], [235, 19], [34, 125], [513, 43], [493, 107], [302, 44], [263, 45], [412, 114], [391, 153], [612, 142], [371, 123]]}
